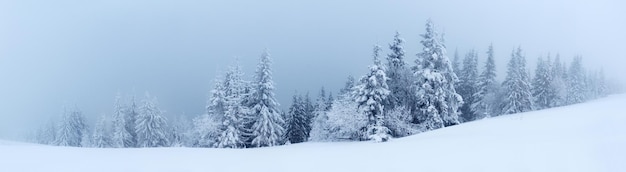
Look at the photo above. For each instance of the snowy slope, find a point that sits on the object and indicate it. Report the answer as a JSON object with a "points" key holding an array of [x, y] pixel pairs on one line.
{"points": [[585, 137]]}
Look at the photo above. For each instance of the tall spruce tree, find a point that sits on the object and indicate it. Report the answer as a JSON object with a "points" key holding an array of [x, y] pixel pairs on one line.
{"points": [[131, 113], [435, 84], [487, 88], [543, 90], [267, 129], [232, 128], [72, 129], [151, 126], [516, 85], [576, 82], [399, 75], [297, 121], [370, 95], [559, 82], [468, 85], [121, 137], [101, 134]]}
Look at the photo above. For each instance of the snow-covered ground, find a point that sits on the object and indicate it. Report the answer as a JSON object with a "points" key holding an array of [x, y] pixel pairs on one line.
{"points": [[585, 137]]}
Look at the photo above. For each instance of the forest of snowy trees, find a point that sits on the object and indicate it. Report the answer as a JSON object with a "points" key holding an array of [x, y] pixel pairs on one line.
{"points": [[394, 98]]}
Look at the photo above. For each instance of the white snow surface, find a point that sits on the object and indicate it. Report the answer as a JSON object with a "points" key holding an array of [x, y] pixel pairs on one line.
{"points": [[584, 137]]}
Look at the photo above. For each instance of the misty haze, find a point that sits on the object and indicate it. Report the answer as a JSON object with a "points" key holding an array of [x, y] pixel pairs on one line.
{"points": [[312, 85]]}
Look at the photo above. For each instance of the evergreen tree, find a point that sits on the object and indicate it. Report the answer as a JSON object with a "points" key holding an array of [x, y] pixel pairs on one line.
{"points": [[370, 96], [456, 66], [468, 85], [47, 133], [309, 110], [232, 127], [72, 129], [559, 82], [576, 82], [267, 129], [543, 89], [347, 88], [101, 137], [130, 115], [602, 86], [516, 86], [329, 101], [395, 70], [297, 121], [121, 136], [487, 88], [180, 134], [151, 126], [438, 101]]}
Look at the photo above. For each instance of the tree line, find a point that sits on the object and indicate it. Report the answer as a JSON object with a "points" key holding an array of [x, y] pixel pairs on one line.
{"points": [[393, 99]]}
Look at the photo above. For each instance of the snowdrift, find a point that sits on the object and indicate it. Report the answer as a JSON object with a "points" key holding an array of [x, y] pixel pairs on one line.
{"points": [[585, 137]]}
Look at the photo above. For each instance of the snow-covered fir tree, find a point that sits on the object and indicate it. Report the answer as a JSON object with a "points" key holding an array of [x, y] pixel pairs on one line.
{"points": [[468, 85], [543, 90], [438, 101], [516, 86], [297, 122], [329, 101], [267, 129], [370, 95], [72, 129], [399, 75], [121, 137], [47, 133], [602, 85], [456, 64], [576, 82], [232, 128], [559, 79], [348, 86], [131, 112], [151, 126], [180, 131], [487, 88], [101, 135]]}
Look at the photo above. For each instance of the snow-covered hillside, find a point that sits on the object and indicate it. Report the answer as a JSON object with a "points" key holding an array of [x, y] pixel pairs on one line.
{"points": [[584, 137]]}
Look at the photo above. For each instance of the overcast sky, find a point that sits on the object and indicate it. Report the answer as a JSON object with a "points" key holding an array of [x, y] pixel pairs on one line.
{"points": [[64, 52]]}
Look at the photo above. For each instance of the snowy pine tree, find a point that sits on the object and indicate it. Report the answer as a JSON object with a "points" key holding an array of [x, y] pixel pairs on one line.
{"points": [[468, 85], [151, 126], [398, 74], [232, 128], [267, 129], [559, 79], [131, 112], [456, 66], [516, 86], [347, 88], [72, 129], [121, 137], [101, 137], [438, 101], [487, 89], [543, 90], [298, 123], [370, 96], [576, 82]]}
